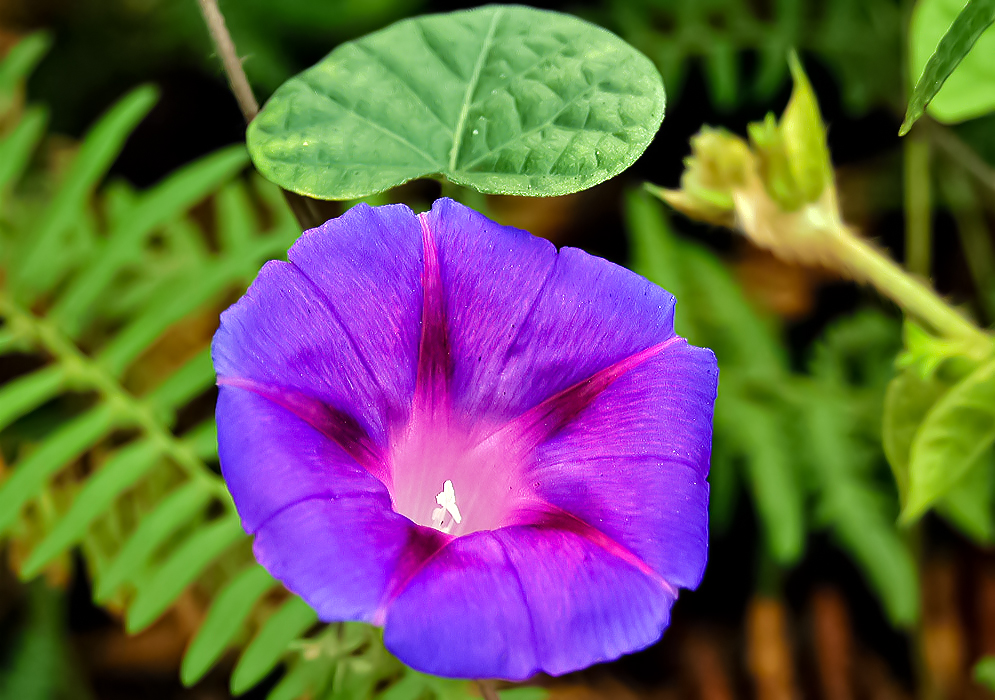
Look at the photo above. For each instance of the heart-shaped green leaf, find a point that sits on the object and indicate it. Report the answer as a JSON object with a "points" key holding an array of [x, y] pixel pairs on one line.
{"points": [[504, 99]]}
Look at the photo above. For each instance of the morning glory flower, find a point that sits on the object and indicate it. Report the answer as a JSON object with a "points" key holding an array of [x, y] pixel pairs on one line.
{"points": [[495, 450]]}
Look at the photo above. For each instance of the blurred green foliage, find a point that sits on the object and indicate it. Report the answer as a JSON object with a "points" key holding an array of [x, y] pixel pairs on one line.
{"points": [[39, 664], [742, 47], [807, 446], [951, 44]]}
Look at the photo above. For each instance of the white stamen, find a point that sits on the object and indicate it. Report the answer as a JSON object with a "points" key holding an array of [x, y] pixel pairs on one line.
{"points": [[447, 504]]}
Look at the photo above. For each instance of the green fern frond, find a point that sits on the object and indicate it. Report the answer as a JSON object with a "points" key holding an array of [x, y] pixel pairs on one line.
{"points": [[115, 294]]}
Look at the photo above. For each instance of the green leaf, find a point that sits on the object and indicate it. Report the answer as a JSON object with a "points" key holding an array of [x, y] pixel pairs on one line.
{"points": [[906, 402], [757, 431], [187, 293], [523, 694], [805, 136], [181, 569], [203, 440], [970, 90], [653, 248], [968, 505], [411, 687], [169, 199], [503, 98], [984, 672], [236, 219], [956, 431], [303, 680], [293, 619], [850, 505], [25, 394], [61, 447], [98, 493], [224, 620], [925, 353], [16, 148], [196, 376], [20, 61], [175, 511], [101, 146], [880, 552]]}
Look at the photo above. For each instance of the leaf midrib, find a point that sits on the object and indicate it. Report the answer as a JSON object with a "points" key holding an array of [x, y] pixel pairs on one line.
{"points": [[471, 88]]}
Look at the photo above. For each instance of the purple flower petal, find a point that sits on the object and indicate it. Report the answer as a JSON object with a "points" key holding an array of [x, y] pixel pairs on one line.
{"points": [[341, 323], [511, 602], [634, 463], [281, 459], [443, 425], [343, 554], [525, 321]]}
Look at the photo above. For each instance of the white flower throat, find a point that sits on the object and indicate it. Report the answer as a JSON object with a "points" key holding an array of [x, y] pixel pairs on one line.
{"points": [[447, 506]]}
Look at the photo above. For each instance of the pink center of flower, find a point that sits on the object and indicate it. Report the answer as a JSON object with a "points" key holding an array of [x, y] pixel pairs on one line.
{"points": [[459, 477]]}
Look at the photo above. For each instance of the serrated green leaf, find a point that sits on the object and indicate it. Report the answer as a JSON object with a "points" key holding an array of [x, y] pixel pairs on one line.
{"points": [[98, 493], [100, 148], [156, 527], [61, 447], [503, 98], [882, 555], [951, 47], [224, 620], [955, 432], [25, 394], [723, 481], [293, 619], [968, 503], [984, 673], [181, 569], [722, 69]]}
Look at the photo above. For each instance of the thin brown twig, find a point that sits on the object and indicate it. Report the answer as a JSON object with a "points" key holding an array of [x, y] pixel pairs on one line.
{"points": [[229, 59], [304, 209]]}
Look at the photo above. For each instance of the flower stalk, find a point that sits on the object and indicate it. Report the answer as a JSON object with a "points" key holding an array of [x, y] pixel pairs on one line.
{"points": [[778, 189]]}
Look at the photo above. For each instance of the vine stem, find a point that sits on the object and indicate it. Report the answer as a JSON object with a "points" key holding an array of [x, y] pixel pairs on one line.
{"points": [[225, 47], [303, 208], [918, 207], [866, 263], [487, 690]]}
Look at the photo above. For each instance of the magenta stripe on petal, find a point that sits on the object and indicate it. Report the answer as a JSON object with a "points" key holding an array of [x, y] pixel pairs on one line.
{"points": [[333, 423]]}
